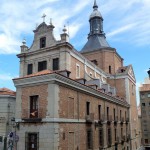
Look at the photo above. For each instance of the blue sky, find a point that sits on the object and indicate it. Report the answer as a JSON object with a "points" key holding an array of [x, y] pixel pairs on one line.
{"points": [[126, 24]]}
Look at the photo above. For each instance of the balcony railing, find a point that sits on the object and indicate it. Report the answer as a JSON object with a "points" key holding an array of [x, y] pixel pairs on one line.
{"points": [[122, 120], [89, 118], [117, 140], [109, 119], [115, 120], [127, 120], [33, 115]]}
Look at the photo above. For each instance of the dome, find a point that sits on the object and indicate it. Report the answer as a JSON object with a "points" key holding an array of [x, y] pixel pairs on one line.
{"points": [[95, 13]]}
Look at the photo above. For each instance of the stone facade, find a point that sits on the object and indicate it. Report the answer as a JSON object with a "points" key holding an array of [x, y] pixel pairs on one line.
{"points": [[7, 112], [144, 92], [75, 100]]}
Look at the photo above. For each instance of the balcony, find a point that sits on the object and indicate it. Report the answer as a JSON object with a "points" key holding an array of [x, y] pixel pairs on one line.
{"points": [[109, 119], [123, 139], [122, 120], [101, 119], [117, 140], [115, 120], [127, 120], [128, 138], [33, 115], [89, 118]]}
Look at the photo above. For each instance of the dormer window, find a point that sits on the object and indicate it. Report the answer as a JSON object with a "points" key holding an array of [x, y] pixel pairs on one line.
{"points": [[42, 42]]}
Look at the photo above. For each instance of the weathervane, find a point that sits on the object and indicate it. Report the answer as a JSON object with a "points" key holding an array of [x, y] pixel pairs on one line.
{"points": [[43, 17]]}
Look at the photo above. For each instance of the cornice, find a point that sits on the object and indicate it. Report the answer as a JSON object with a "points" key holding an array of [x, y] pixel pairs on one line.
{"points": [[67, 82]]}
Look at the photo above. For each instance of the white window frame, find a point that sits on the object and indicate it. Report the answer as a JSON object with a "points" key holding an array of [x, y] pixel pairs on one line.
{"points": [[77, 71]]}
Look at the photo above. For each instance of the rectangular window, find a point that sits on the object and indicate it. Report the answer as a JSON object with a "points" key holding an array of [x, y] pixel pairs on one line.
{"points": [[88, 108], [99, 112], [42, 65], [142, 96], [30, 69], [114, 114], [42, 42], [95, 62], [77, 71], [143, 104], [109, 136], [70, 108], [115, 134], [89, 139], [146, 141], [101, 137], [107, 113], [56, 64], [120, 114], [121, 132], [110, 69], [32, 141], [1, 139], [148, 95], [34, 106]]}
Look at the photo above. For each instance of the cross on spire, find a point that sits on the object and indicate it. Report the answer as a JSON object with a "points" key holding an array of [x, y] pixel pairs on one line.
{"points": [[43, 17]]}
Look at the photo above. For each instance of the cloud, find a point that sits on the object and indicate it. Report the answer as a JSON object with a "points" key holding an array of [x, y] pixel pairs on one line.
{"points": [[121, 30], [6, 77]]}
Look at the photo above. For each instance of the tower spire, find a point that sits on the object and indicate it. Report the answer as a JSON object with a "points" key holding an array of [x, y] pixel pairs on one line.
{"points": [[95, 5]]}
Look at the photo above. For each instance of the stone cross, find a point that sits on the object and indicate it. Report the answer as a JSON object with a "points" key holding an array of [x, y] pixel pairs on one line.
{"points": [[43, 17]]}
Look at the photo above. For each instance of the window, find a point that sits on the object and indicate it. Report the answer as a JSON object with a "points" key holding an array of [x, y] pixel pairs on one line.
{"points": [[148, 95], [120, 114], [89, 139], [91, 74], [115, 134], [101, 137], [77, 71], [30, 69], [121, 132], [110, 69], [146, 141], [133, 90], [95, 62], [125, 115], [42, 42], [99, 112], [142, 96], [70, 108], [88, 108], [109, 136], [34, 106], [56, 64], [107, 113], [32, 141], [42, 65], [1, 139], [143, 104], [114, 114]]}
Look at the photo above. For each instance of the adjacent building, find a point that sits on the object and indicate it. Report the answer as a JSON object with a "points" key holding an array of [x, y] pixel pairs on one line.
{"points": [[7, 112], [73, 100], [144, 92]]}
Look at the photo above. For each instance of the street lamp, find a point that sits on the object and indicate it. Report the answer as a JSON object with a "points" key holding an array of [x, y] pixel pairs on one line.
{"points": [[148, 73]]}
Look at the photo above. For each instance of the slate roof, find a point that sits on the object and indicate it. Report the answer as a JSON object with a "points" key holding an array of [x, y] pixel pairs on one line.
{"points": [[95, 42]]}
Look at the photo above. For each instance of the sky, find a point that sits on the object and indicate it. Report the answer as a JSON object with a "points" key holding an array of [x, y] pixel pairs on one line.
{"points": [[126, 24]]}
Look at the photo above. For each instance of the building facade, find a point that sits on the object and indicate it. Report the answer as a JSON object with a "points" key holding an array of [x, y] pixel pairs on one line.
{"points": [[7, 112], [75, 100], [144, 92]]}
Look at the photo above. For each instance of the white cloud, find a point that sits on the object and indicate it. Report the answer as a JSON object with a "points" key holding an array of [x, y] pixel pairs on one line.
{"points": [[121, 30], [5, 77]]}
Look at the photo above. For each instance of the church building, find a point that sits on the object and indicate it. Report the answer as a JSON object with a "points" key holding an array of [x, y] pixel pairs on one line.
{"points": [[75, 100]]}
